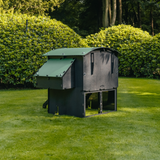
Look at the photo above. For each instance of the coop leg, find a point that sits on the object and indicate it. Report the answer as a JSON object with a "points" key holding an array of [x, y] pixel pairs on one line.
{"points": [[115, 99], [45, 103], [100, 102]]}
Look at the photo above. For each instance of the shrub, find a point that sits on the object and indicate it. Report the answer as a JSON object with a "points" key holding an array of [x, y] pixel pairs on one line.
{"points": [[143, 60], [157, 36], [115, 36], [139, 52], [21, 51]]}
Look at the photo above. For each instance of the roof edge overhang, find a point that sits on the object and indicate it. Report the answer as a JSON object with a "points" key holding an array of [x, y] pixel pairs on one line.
{"points": [[115, 52], [77, 51]]}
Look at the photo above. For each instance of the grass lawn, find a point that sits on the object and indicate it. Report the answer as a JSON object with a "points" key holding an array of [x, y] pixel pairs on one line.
{"points": [[28, 132]]}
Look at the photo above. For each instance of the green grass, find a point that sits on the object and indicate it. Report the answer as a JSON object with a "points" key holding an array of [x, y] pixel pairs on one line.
{"points": [[28, 132], [93, 112]]}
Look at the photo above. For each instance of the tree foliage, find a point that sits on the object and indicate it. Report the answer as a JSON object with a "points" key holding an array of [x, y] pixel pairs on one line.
{"points": [[32, 7], [89, 16], [143, 14], [84, 16]]}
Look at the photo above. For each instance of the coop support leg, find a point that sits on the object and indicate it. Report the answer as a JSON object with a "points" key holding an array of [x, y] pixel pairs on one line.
{"points": [[115, 99], [100, 102], [45, 103]]}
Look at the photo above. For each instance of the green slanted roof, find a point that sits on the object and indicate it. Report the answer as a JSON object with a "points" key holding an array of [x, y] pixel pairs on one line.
{"points": [[70, 51], [55, 68]]}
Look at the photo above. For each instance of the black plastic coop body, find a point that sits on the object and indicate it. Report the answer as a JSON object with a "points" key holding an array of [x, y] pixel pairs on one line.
{"points": [[79, 79]]}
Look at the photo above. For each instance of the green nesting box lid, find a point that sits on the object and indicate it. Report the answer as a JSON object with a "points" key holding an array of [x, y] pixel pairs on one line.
{"points": [[70, 51], [55, 68]]}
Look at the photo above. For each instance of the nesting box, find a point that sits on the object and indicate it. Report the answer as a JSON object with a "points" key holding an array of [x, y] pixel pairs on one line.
{"points": [[80, 78]]}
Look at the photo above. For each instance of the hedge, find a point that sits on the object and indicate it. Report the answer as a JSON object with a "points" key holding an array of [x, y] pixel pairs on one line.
{"points": [[139, 52], [140, 59], [21, 51], [115, 36], [157, 37]]}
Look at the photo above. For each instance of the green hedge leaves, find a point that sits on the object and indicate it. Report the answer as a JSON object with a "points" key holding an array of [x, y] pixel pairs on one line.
{"points": [[139, 51], [21, 51]]}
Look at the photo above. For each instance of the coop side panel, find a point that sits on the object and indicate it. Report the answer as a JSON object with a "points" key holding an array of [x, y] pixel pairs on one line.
{"points": [[69, 78], [75, 100], [97, 76], [69, 101], [114, 75], [49, 82]]}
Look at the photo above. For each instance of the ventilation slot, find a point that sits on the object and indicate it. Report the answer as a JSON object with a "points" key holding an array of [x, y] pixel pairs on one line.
{"points": [[112, 63], [92, 63]]}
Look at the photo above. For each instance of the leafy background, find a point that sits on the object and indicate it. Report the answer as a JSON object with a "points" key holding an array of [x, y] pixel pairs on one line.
{"points": [[139, 51], [21, 49]]}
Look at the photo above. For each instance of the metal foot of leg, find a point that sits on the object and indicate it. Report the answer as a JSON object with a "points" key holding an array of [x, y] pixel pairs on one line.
{"points": [[45, 103]]}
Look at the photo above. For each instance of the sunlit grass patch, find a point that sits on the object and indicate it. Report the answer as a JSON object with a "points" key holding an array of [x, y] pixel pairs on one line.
{"points": [[27, 131]]}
